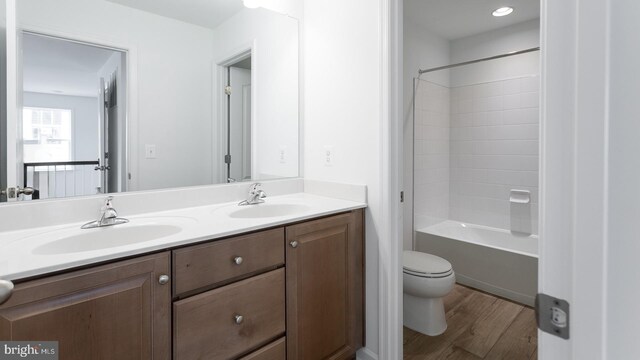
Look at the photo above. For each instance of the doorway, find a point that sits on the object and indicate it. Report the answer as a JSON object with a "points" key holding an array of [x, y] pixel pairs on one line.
{"points": [[471, 126], [73, 120], [238, 136]]}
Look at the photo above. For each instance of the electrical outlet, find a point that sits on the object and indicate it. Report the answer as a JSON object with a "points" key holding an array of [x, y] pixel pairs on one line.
{"points": [[150, 151], [328, 156], [282, 155]]}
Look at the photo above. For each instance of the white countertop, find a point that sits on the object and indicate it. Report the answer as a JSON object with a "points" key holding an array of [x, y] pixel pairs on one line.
{"points": [[20, 259]]}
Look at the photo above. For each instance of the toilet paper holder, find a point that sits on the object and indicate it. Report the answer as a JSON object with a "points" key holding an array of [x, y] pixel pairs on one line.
{"points": [[520, 196]]}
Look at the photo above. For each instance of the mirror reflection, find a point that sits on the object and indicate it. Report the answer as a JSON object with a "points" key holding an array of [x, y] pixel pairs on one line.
{"points": [[3, 101], [126, 95]]}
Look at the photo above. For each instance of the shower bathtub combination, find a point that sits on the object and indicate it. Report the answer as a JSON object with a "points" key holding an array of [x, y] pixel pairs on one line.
{"points": [[493, 260], [475, 171]]}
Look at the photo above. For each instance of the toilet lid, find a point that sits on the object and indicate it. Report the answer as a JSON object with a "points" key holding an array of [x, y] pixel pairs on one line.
{"points": [[419, 263]]}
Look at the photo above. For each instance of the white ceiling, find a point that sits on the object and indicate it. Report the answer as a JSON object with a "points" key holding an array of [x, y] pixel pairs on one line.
{"points": [[55, 66], [454, 19], [207, 13]]}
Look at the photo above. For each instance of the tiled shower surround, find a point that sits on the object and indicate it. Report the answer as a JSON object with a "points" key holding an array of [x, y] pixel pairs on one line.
{"points": [[473, 145], [431, 154]]}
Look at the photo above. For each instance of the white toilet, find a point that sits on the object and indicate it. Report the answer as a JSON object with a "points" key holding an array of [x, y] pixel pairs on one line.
{"points": [[427, 279]]}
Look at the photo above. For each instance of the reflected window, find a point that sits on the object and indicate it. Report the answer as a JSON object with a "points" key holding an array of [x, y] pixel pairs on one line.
{"points": [[46, 134]]}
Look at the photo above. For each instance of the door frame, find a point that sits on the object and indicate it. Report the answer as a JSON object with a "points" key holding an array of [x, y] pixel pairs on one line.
{"points": [[573, 173], [392, 143], [131, 81], [220, 107], [126, 53], [11, 93]]}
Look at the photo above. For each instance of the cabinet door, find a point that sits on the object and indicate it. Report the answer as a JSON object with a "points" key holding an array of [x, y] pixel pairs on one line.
{"points": [[115, 311], [325, 277]]}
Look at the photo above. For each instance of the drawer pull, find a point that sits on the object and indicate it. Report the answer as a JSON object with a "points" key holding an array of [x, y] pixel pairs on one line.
{"points": [[6, 288], [238, 260], [163, 279], [238, 319], [294, 244]]}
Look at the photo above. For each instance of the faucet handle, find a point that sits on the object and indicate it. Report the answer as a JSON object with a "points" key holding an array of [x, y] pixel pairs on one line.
{"points": [[107, 202], [108, 211], [254, 187]]}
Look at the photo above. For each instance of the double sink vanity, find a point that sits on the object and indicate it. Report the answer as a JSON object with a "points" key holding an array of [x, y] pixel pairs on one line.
{"points": [[173, 108], [282, 279]]}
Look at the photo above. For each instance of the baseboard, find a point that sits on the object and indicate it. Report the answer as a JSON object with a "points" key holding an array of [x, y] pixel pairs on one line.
{"points": [[366, 354]]}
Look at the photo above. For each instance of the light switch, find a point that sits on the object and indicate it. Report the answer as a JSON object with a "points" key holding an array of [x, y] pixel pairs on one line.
{"points": [[150, 151]]}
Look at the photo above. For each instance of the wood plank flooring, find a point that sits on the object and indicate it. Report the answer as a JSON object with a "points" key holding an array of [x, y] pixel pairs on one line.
{"points": [[480, 327]]}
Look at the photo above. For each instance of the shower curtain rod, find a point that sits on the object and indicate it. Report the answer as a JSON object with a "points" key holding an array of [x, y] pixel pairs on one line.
{"points": [[420, 72]]}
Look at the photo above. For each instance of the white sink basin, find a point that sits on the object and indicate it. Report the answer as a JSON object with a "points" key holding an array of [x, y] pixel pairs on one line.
{"points": [[268, 210], [75, 240]]}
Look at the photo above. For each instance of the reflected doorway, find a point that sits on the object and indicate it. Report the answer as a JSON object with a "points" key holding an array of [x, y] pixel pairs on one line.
{"points": [[73, 127], [238, 91]]}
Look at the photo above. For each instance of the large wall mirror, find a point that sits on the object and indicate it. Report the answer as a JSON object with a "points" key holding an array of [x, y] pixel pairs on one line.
{"points": [[128, 95]]}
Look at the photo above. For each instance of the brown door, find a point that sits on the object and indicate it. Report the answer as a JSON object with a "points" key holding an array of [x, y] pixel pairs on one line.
{"points": [[325, 280], [115, 311]]}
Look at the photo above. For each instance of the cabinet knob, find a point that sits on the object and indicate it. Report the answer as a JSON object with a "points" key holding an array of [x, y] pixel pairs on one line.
{"points": [[238, 319], [294, 244], [6, 288], [238, 260], [163, 279]]}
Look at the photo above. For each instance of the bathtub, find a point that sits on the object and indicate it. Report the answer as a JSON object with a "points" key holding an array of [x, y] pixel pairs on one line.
{"points": [[490, 259]]}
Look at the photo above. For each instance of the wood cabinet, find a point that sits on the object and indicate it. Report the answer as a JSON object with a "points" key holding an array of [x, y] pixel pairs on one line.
{"points": [[293, 292], [116, 311], [325, 285]]}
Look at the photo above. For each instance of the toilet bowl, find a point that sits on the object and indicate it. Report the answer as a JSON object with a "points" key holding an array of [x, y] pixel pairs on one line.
{"points": [[427, 279]]}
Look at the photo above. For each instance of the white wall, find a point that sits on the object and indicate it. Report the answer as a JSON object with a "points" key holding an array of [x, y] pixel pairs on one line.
{"points": [[622, 265], [173, 59], [342, 95], [511, 38], [422, 50], [85, 120], [275, 89]]}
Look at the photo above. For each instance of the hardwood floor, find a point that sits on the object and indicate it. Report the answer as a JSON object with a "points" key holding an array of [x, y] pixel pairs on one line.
{"points": [[480, 326]]}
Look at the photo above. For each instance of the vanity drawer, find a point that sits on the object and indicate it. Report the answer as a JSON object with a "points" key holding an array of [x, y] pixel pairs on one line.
{"points": [[204, 265], [207, 325], [277, 350]]}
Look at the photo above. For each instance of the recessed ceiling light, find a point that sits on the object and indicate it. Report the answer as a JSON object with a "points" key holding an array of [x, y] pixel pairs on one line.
{"points": [[503, 11], [252, 4]]}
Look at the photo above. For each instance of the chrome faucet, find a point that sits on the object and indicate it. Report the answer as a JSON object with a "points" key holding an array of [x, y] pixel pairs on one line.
{"points": [[108, 217], [256, 195]]}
